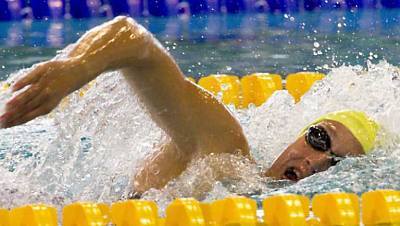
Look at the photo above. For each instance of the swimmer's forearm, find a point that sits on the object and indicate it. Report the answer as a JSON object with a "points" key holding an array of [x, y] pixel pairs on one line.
{"points": [[117, 44]]}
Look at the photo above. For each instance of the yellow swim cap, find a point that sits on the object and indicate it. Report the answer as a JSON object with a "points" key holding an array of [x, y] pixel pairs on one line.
{"points": [[361, 126]]}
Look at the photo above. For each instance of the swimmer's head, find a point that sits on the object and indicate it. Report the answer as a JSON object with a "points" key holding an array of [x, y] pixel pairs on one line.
{"points": [[324, 142]]}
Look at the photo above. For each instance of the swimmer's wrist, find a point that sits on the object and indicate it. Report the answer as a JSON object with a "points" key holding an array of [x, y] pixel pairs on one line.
{"points": [[89, 68], [81, 71]]}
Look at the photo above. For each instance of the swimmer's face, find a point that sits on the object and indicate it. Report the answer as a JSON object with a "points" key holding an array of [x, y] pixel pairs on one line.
{"points": [[315, 151]]}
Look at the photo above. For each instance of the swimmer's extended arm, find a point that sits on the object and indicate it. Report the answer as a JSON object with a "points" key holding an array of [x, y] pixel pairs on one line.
{"points": [[193, 118]]}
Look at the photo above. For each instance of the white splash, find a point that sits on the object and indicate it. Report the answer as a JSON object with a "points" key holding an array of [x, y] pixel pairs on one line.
{"points": [[90, 147]]}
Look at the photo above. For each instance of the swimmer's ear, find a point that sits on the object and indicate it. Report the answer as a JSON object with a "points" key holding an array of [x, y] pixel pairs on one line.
{"points": [[32, 77]]}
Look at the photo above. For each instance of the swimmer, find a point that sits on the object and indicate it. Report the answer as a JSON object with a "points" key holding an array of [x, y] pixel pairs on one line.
{"points": [[197, 123]]}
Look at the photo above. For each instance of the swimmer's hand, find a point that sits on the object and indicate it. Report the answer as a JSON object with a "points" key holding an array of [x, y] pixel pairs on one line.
{"points": [[45, 86], [127, 42]]}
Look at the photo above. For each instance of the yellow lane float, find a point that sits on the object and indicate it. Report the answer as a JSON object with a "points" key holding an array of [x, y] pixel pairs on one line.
{"points": [[337, 209], [85, 214], [33, 215], [258, 87], [299, 83], [227, 85], [4, 217], [238, 211], [286, 210], [381, 207], [134, 213], [275, 77], [184, 212]]}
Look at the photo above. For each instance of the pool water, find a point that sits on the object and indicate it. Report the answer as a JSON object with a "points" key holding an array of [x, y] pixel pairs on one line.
{"points": [[235, 44], [90, 147]]}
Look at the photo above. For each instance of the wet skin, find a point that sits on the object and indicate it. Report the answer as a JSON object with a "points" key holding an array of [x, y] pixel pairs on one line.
{"points": [[301, 160]]}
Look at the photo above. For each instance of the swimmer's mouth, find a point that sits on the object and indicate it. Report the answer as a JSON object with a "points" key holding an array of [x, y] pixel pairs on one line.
{"points": [[291, 174]]}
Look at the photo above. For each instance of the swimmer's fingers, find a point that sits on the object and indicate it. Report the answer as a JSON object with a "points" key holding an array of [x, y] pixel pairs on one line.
{"points": [[41, 110], [21, 99], [19, 111], [31, 77]]}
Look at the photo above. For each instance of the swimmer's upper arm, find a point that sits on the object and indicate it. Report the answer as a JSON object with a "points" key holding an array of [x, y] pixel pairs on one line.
{"points": [[193, 118], [216, 126]]}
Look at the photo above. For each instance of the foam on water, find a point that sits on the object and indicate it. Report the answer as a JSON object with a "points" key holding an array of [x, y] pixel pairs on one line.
{"points": [[90, 147]]}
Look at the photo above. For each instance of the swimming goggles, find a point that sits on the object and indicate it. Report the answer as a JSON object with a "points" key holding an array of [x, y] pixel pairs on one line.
{"points": [[317, 137]]}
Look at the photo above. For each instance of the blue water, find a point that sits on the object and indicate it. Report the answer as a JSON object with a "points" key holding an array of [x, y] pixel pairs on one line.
{"points": [[235, 44]]}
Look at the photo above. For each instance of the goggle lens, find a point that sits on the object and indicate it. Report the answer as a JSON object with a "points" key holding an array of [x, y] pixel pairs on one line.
{"points": [[318, 138]]}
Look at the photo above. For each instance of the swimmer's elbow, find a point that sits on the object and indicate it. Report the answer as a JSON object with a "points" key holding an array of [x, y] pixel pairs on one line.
{"points": [[124, 20], [121, 18], [130, 23]]}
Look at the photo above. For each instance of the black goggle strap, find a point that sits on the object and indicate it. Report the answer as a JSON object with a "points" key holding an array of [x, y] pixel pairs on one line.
{"points": [[334, 158]]}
